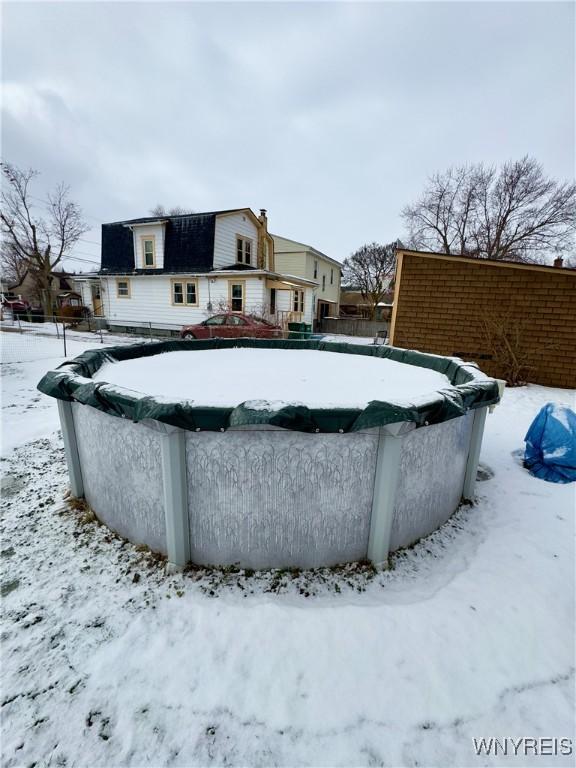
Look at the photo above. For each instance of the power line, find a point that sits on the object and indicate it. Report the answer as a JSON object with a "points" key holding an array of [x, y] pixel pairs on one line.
{"points": [[83, 253], [84, 240], [40, 200], [77, 258]]}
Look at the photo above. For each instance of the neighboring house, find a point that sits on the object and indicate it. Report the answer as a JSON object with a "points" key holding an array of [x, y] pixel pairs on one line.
{"points": [[61, 283], [499, 314], [294, 258], [353, 304], [171, 271], [88, 286]]}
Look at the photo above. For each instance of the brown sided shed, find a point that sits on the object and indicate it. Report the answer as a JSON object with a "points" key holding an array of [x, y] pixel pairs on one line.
{"points": [[442, 303]]}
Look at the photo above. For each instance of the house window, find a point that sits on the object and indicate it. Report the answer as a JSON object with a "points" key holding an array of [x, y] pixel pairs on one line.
{"points": [[243, 250], [123, 289], [331, 277], [148, 251], [315, 270], [237, 297], [298, 301], [323, 282], [185, 293]]}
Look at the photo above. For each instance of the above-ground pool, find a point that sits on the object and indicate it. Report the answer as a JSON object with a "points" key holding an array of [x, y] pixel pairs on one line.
{"points": [[271, 454]]}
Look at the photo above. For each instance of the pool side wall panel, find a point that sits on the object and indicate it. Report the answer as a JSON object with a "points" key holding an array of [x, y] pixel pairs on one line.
{"points": [[266, 497], [432, 470], [122, 473], [275, 498]]}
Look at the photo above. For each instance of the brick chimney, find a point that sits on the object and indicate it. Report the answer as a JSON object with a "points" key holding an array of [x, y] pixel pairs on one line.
{"points": [[263, 242], [559, 262]]}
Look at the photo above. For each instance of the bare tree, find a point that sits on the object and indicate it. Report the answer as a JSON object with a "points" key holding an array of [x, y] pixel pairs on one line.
{"points": [[370, 269], [516, 213], [177, 210], [13, 268], [36, 242]]}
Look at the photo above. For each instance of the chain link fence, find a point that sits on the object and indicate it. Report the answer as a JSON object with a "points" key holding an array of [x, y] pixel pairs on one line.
{"points": [[24, 340]]}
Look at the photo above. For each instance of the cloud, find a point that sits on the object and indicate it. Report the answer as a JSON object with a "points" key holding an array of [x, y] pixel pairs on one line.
{"points": [[330, 115]]}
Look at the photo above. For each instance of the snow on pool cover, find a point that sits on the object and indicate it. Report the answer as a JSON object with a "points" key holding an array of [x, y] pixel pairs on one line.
{"points": [[228, 377]]}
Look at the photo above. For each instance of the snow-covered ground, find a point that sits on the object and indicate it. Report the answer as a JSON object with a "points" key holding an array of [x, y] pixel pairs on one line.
{"points": [[55, 329], [348, 339], [272, 378], [106, 661], [25, 357]]}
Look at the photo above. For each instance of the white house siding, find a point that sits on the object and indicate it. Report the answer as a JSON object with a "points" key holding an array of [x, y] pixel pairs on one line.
{"points": [[325, 268], [294, 258], [284, 303], [308, 305], [157, 232], [226, 229], [83, 288], [150, 300], [290, 263]]}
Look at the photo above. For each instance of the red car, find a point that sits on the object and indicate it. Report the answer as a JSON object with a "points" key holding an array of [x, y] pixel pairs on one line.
{"points": [[232, 325], [16, 305]]}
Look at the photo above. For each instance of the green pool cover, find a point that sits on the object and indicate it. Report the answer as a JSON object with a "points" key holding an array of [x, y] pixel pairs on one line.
{"points": [[469, 389]]}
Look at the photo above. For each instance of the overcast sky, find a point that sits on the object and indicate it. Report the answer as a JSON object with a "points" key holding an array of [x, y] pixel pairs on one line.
{"points": [[330, 115]]}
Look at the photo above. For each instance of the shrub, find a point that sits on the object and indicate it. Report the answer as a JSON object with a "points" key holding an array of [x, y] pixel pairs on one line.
{"points": [[74, 315]]}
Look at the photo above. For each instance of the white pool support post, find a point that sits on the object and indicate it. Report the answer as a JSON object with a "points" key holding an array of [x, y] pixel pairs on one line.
{"points": [[174, 480], [474, 453], [71, 448], [385, 486]]}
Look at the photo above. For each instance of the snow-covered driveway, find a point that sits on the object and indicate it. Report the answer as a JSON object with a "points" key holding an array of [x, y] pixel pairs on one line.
{"points": [[106, 661]]}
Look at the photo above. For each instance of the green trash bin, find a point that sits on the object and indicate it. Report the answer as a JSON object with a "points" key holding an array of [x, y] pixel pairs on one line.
{"points": [[299, 330], [295, 330]]}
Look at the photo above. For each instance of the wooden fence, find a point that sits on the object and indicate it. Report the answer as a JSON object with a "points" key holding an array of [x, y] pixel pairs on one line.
{"points": [[352, 326]]}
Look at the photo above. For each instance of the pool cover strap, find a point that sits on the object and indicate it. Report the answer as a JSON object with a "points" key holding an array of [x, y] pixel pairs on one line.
{"points": [[72, 381]]}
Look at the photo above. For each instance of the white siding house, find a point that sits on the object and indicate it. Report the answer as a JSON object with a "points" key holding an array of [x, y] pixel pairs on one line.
{"points": [[140, 300], [228, 229], [294, 258], [89, 286], [179, 270], [149, 238]]}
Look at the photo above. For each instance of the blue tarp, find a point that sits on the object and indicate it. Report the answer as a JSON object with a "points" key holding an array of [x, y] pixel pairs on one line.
{"points": [[551, 445]]}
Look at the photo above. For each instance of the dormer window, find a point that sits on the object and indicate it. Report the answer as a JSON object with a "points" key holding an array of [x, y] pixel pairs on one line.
{"points": [[243, 250], [148, 252]]}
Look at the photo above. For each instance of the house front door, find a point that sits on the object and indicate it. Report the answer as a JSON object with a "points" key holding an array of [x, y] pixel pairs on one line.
{"points": [[97, 301]]}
